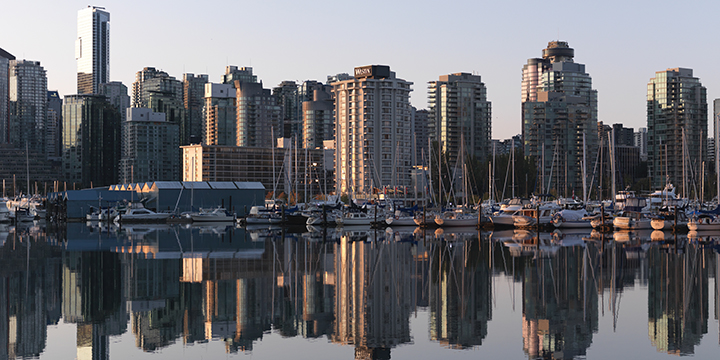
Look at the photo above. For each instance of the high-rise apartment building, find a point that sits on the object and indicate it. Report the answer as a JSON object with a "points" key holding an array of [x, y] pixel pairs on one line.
{"points": [[194, 100], [117, 94], [372, 129], [150, 147], [258, 115], [220, 115], [421, 122], [156, 90], [90, 141], [318, 122], [677, 128], [53, 125], [641, 142], [559, 111], [28, 105], [233, 74], [288, 98], [459, 111], [5, 58], [92, 49]]}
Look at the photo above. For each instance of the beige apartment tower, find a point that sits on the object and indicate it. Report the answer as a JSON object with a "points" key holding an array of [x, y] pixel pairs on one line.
{"points": [[373, 131]]}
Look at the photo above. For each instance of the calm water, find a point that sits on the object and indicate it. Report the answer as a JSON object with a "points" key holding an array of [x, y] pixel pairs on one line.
{"points": [[174, 292]]}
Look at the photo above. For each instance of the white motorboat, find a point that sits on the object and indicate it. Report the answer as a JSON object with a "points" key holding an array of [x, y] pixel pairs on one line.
{"points": [[572, 219], [356, 218], [136, 212], [262, 215], [400, 219], [454, 218], [218, 214]]}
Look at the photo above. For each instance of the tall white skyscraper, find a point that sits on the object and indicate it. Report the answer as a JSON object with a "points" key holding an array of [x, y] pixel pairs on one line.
{"points": [[372, 131], [92, 49]]}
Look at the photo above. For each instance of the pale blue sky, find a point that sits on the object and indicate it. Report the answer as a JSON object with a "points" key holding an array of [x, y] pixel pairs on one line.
{"points": [[622, 43]]}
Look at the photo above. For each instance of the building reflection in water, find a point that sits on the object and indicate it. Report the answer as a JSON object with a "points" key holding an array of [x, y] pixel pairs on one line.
{"points": [[678, 296], [559, 297], [460, 290], [373, 299], [353, 286]]}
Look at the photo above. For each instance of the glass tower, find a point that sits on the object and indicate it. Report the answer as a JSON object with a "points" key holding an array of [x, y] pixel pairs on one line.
{"points": [[559, 109], [92, 49], [676, 108]]}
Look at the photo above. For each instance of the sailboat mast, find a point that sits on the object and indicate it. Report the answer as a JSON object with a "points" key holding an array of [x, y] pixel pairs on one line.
{"points": [[584, 171], [512, 145]]}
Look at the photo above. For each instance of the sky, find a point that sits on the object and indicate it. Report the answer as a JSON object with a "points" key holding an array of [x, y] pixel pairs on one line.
{"points": [[622, 43]]}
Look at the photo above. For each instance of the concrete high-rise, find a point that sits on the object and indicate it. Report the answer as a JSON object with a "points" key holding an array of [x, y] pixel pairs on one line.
{"points": [[641, 142], [559, 107], [258, 115], [28, 105], [318, 122], [5, 58], [92, 49], [194, 101], [156, 90], [220, 115], [150, 147], [459, 110], [676, 108], [90, 141], [372, 129]]}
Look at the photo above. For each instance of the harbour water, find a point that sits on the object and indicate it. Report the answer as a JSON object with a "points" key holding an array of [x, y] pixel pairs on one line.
{"points": [[216, 291]]}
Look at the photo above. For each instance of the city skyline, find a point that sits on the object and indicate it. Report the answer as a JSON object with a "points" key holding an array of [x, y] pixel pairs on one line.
{"points": [[620, 61]]}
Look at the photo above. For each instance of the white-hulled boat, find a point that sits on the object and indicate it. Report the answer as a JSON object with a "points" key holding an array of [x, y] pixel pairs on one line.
{"points": [[529, 216], [400, 219], [136, 212], [454, 218], [504, 217], [355, 218], [218, 214], [572, 219], [631, 220], [704, 222], [262, 215], [667, 221]]}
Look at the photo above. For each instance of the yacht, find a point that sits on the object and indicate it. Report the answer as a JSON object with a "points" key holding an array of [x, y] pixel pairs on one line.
{"points": [[218, 214], [136, 212]]}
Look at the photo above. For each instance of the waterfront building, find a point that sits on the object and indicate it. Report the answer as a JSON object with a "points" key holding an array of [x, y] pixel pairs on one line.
{"points": [[220, 115], [307, 171], [194, 101], [318, 122], [677, 128], [53, 124], [28, 105], [258, 115], [150, 147], [92, 49], [459, 111], [90, 140], [372, 127], [559, 108], [5, 58], [641, 142]]}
